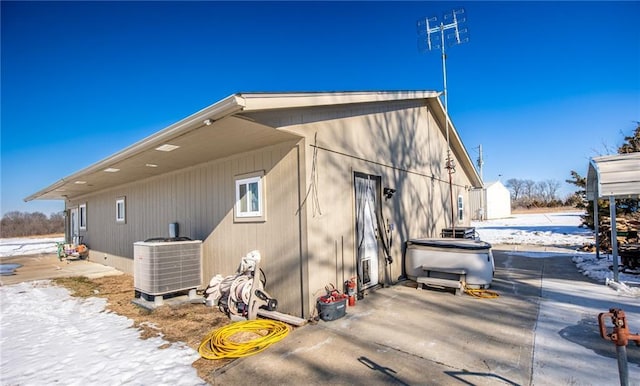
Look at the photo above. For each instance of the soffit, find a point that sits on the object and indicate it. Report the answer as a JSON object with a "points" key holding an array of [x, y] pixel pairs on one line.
{"points": [[223, 138]]}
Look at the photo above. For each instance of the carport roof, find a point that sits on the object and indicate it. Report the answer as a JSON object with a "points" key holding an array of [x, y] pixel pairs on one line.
{"points": [[219, 130], [614, 175]]}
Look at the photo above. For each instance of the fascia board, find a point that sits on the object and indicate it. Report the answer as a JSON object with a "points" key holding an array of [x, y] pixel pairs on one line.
{"points": [[270, 101]]}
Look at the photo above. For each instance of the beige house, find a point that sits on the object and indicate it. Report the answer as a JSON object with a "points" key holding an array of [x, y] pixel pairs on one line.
{"points": [[326, 185]]}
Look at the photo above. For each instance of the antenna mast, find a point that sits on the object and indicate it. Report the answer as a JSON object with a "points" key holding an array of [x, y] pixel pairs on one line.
{"points": [[428, 39]]}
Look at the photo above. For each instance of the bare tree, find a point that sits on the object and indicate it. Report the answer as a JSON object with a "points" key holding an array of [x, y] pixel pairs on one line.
{"points": [[17, 224], [516, 186], [526, 193], [552, 189], [540, 191]]}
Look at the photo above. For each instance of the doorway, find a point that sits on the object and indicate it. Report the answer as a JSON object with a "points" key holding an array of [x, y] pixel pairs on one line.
{"points": [[74, 226], [367, 191]]}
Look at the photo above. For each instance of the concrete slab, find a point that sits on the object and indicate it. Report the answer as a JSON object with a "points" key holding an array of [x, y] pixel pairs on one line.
{"points": [[44, 267], [400, 335], [568, 347], [542, 330]]}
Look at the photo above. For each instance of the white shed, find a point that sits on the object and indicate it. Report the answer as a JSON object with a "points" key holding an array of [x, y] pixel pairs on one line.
{"points": [[491, 202]]}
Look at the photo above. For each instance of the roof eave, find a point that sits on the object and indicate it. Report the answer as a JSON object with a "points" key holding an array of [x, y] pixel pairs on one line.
{"points": [[219, 110], [454, 138]]}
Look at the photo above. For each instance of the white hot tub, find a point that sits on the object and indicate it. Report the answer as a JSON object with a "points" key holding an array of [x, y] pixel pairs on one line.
{"points": [[441, 257]]}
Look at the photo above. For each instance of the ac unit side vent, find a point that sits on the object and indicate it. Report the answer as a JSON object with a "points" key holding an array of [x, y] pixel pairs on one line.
{"points": [[161, 268]]}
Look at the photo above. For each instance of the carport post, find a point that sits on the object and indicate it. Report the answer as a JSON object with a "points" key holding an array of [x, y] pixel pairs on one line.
{"points": [[595, 227], [614, 237]]}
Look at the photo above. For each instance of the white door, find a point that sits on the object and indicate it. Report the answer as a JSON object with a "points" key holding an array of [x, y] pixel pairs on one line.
{"points": [[74, 226], [366, 230]]}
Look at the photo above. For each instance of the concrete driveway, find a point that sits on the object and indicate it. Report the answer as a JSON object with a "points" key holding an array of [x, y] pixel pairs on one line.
{"points": [[542, 330]]}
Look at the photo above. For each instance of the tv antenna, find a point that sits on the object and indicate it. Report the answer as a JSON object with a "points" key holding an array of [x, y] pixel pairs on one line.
{"points": [[433, 35]]}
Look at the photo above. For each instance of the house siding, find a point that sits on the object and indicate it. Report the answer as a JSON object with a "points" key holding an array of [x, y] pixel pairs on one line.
{"points": [[402, 143], [201, 200], [308, 239]]}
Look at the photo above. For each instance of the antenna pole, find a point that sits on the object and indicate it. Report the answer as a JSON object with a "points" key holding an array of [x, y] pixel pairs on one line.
{"points": [[444, 84], [431, 31], [449, 165]]}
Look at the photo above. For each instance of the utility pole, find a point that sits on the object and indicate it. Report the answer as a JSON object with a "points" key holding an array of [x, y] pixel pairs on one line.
{"points": [[431, 35], [480, 162]]}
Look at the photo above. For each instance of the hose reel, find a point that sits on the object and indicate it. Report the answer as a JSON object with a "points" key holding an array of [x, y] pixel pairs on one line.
{"points": [[241, 295]]}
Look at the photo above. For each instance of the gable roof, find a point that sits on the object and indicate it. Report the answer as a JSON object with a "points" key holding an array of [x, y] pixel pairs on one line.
{"points": [[220, 130], [614, 175], [497, 183]]}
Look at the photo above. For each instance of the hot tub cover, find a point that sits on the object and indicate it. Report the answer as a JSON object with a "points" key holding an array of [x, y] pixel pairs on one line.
{"points": [[451, 243]]}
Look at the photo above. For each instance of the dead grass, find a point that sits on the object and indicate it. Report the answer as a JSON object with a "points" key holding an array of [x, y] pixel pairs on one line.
{"points": [[47, 236], [560, 209], [188, 323]]}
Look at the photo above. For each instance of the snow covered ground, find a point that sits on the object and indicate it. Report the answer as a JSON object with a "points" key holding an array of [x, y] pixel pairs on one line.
{"points": [[28, 246], [551, 230], [47, 336]]}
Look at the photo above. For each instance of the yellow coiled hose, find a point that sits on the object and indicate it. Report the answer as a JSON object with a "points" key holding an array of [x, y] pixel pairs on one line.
{"points": [[481, 293], [218, 344]]}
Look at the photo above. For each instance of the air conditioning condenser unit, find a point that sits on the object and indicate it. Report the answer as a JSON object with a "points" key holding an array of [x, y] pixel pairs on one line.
{"points": [[165, 267]]}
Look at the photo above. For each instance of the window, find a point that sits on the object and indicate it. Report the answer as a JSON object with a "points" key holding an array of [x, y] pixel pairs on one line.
{"points": [[460, 209], [83, 216], [120, 210], [250, 197]]}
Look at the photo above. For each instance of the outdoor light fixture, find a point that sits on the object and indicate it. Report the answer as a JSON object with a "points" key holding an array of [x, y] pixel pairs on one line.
{"points": [[111, 170], [388, 193], [208, 122], [167, 147]]}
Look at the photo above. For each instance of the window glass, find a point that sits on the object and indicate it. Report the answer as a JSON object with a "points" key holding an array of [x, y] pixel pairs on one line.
{"points": [[250, 197], [83, 216], [255, 197], [460, 209], [120, 210]]}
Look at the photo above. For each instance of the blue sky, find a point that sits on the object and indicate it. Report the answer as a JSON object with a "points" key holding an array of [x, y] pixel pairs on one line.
{"points": [[543, 86]]}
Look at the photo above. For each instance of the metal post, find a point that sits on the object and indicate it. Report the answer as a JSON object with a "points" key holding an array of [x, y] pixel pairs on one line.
{"points": [[449, 162], [596, 226], [426, 31], [480, 162], [614, 237], [620, 336], [623, 369]]}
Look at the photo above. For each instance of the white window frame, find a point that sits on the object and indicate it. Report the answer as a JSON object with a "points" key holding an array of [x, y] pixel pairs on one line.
{"points": [[241, 213], [82, 216], [460, 208], [121, 216]]}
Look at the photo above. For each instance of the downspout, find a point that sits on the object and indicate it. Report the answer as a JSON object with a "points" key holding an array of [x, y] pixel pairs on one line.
{"points": [[302, 249]]}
